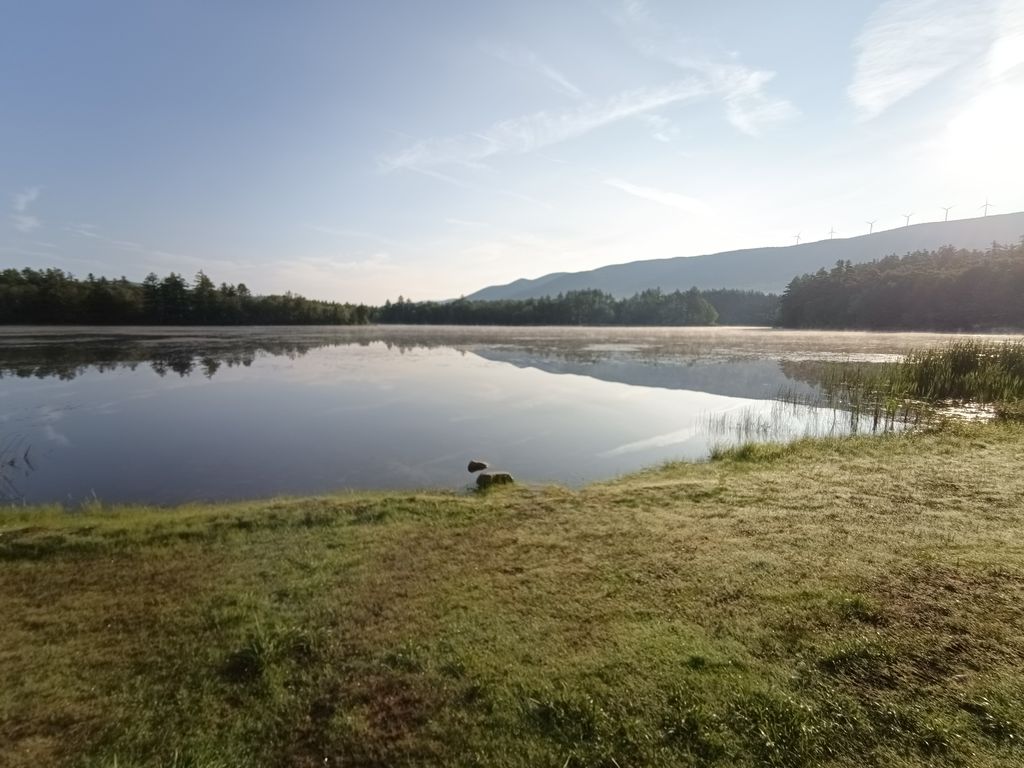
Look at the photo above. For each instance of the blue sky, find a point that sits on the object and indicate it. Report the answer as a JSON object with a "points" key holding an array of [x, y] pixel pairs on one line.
{"points": [[359, 151]]}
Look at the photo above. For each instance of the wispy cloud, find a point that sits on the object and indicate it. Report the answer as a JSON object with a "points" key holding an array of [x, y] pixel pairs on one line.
{"points": [[749, 107], [527, 59], [338, 277], [907, 44], [1006, 55], [357, 234], [662, 129], [92, 232], [33, 252], [375, 262], [465, 223], [675, 200], [25, 198], [636, 10], [472, 187], [978, 144], [22, 219], [542, 129], [151, 257], [24, 222]]}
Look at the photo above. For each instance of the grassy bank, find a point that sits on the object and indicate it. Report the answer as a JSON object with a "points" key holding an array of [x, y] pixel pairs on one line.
{"points": [[837, 602]]}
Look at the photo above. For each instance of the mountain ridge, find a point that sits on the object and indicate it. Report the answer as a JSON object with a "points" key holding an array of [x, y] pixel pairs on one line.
{"points": [[767, 268]]}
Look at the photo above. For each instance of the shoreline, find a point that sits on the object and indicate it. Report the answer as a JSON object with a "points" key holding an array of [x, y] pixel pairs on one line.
{"points": [[835, 601]]}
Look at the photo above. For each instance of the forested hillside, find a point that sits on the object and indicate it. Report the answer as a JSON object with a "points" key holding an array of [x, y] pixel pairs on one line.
{"points": [[947, 289], [765, 269], [54, 296]]}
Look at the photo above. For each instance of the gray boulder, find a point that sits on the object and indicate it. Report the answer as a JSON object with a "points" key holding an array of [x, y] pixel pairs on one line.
{"points": [[487, 479], [476, 465]]}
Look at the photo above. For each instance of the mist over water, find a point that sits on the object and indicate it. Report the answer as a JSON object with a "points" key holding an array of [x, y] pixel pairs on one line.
{"points": [[170, 415]]}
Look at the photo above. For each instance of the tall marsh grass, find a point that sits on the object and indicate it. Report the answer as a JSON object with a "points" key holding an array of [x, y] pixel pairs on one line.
{"points": [[970, 371], [968, 377]]}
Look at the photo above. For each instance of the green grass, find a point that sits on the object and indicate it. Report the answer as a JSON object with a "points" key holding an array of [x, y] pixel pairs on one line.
{"points": [[840, 602], [969, 371]]}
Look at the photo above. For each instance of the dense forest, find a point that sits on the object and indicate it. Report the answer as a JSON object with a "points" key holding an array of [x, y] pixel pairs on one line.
{"points": [[593, 307], [53, 296], [946, 290]]}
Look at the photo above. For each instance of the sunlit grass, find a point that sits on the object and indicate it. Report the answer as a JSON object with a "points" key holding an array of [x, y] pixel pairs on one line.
{"points": [[839, 601]]}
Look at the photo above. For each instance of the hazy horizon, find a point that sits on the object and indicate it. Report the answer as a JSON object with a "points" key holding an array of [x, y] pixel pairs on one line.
{"points": [[359, 153]]}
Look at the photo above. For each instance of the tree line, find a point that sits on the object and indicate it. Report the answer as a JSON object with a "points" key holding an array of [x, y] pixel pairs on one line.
{"points": [[593, 307], [948, 289], [54, 296]]}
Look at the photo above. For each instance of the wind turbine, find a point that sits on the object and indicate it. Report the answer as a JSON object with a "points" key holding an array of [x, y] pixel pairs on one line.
{"points": [[946, 208], [871, 226], [986, 206], [831, 232], [907, 217], [797, 236]]}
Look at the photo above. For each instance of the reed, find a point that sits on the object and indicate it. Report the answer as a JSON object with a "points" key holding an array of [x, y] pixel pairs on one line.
{"points": [[966, 371], [929, 382]]}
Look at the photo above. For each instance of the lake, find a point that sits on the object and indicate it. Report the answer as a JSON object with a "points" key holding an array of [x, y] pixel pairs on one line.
{"points": [[165, 415]]}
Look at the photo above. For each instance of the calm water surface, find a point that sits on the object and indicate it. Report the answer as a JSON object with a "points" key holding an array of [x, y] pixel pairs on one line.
{"points": [[168, 415]]}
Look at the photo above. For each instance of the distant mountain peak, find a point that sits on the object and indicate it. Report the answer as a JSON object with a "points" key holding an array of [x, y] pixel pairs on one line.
{"points": [[764, 269]]}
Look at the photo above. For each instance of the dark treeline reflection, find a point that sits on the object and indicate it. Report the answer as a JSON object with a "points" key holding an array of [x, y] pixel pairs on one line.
{"points": [[203, 353], [67, 361]]}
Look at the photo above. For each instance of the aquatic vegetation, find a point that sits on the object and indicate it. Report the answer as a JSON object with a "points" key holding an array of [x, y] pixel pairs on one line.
{"points": [[967, 371], [15, 462], [965, 379], [969, 377]]}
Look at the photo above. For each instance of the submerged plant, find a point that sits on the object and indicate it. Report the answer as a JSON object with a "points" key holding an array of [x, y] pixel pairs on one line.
{"points": [[15, 460]]}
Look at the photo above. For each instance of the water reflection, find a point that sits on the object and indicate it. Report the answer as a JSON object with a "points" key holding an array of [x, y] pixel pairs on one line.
{"points": [[748, 378], [738, 370], [66, 350], [736, 378], [67, 361], [161, 416]]}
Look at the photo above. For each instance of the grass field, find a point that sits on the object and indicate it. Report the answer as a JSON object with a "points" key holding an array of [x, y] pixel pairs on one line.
{"points": [[836, 602]]}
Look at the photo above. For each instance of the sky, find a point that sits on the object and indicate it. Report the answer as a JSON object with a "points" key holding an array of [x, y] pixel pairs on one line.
{"points": [[362, 151]]}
